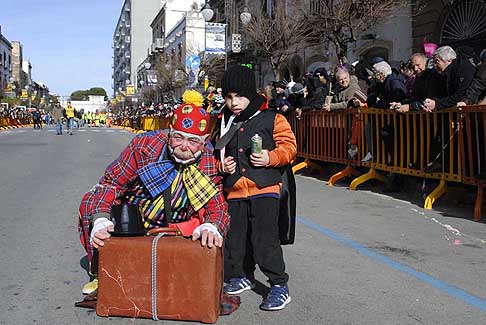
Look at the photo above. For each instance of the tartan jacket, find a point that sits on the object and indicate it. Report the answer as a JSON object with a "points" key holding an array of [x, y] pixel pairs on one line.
{"points": [[122, 173]]}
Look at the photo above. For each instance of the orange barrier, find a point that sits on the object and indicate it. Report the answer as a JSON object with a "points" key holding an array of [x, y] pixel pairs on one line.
{"points": [[324, 136], [9, 122], [473, 139]]}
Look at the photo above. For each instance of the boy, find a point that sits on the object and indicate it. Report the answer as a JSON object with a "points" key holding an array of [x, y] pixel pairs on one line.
{"points": [[252, 184]]}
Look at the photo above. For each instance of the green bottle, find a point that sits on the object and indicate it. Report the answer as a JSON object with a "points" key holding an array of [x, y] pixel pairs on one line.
{"points": [[256, 144]]}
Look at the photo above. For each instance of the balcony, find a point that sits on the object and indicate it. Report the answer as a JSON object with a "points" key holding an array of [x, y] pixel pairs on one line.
{"points": [[159, 44]]}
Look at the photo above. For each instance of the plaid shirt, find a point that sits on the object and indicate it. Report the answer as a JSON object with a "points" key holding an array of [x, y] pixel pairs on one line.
{"points": [[121, 176]]}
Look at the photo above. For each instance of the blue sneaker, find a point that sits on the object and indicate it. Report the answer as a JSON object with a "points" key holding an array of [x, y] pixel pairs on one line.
{"points": [[277, 298], [238, 285]]}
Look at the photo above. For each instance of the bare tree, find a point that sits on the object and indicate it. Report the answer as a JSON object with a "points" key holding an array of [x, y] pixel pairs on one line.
{"points": [[171, 74], [213, 66], [276, 37], [342, 21]]}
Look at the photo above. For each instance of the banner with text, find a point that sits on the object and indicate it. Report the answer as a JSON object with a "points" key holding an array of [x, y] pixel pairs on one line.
{"points": [[215, 38]]}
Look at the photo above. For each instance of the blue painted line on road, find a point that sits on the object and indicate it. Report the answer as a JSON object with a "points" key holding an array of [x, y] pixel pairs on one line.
{"points": [[453, 291]]}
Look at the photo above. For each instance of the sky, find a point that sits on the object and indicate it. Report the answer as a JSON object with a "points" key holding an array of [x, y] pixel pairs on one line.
{"points": [[68, 42]]}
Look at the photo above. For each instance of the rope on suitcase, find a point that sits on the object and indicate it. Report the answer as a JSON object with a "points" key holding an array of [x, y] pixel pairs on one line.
{"points": [[154, 275]]}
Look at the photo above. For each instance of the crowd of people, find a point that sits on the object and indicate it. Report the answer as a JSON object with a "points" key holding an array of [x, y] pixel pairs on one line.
{"points": [[213, 103], [430, 81]]}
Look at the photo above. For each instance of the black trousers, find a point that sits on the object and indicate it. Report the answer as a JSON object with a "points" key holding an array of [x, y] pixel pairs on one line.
{"points": [[253, 239]]}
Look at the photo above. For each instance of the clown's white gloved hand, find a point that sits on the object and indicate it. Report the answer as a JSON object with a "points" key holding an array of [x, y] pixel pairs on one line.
{"points": [[206, 226], [99, 224]]}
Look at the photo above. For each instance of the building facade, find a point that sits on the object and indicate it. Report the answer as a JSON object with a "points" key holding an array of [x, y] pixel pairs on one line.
{"points": [[17, 61], [392, 39], [452, 22], [177, 27], [131, 39], [5, 61], [27, 73], [93, 104], [184, 45]]}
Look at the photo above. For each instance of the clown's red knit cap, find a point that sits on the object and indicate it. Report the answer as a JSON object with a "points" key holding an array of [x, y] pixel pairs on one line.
{"points": [[192, 119]]}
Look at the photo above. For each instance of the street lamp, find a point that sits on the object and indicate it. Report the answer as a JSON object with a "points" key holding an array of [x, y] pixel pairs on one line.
{"points": [[245, 16], [207, 12]]}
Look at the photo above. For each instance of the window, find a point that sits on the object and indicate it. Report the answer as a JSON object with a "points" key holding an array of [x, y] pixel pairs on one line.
{"points": [[269, 6], [315, 7]]}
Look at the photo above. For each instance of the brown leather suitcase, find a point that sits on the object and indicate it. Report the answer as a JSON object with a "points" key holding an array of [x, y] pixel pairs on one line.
{"points": [[187, 281]]}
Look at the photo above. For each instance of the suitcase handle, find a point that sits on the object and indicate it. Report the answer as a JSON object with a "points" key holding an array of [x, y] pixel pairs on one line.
{"points": [[165, 230]]}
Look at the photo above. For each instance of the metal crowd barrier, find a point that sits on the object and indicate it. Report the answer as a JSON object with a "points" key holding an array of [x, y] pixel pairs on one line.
{"points": [[324, 136], [416, 144], [473, 139]]}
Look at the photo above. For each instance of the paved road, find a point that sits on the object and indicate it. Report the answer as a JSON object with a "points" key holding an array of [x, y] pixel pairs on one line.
{"points": [[360, 257]]}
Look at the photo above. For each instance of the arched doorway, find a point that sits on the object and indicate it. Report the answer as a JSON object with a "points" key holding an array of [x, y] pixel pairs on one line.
{"points": [[368, 55], [465, 24]]}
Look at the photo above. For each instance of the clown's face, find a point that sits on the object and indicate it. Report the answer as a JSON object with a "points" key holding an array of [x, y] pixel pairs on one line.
{"points": [[185, 147]]}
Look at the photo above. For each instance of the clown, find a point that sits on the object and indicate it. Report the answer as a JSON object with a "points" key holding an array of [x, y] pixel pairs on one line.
{"points": [[152, 163]]}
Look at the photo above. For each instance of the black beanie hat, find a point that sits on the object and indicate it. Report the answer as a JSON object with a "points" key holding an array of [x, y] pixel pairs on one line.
{"points": [[240, 80]]}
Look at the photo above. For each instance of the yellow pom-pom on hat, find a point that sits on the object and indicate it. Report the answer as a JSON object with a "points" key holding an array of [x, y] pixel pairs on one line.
{"points": [[192, 97]]}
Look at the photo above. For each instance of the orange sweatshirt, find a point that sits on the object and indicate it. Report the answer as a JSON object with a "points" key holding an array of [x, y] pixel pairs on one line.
{"points": [[284, 152]]}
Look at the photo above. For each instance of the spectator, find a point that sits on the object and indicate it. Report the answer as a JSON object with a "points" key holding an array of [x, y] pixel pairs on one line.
{"points": [[393, 89], [458, 72], [476, 93], [345, 94], [324, 79], [347, 87], [279, 98], [429, 49], [406, 71], [218, 104], [428, 84], [315, 93]]}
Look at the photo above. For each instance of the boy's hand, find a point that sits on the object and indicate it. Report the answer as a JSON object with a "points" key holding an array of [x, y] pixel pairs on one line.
{"points": [[260, 159], [229, 165]]}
